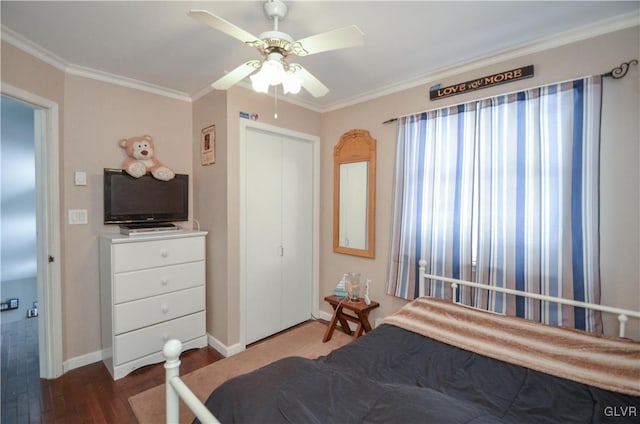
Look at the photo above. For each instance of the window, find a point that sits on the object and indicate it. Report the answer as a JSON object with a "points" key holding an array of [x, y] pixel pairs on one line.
{"points": [[503, 192]]}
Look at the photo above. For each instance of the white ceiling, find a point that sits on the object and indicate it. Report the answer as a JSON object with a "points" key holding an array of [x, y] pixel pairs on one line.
{"points": [[157, 44]]}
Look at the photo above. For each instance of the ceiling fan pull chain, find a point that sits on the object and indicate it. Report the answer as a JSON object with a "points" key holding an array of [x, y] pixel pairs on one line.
{"points": [[275, 102]]}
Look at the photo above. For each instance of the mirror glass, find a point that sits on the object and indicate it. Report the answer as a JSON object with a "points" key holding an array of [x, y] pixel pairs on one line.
{"points": [[353, 204], [354, 194]]}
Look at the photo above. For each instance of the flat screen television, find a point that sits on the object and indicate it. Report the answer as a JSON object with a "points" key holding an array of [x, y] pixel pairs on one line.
{"points": [[144, 201]]}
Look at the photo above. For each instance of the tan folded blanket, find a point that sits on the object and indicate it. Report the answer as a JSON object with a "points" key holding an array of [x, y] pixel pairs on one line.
{"points": [[608, 363]]}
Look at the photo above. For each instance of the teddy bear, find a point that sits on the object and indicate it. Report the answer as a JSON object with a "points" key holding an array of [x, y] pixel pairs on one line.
{"points": [[141, 158]]}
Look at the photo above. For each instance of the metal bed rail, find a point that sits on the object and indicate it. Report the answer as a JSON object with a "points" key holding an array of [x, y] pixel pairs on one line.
{"points": [[623, 314]]}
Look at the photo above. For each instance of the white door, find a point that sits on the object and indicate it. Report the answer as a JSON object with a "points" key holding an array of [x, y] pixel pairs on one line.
{"points": [[279, 232], [297, 231]]}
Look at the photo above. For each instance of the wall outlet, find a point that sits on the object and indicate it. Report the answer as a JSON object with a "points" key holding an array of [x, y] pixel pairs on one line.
{"points": [[10, 304], [80, 178], [78, 216]]}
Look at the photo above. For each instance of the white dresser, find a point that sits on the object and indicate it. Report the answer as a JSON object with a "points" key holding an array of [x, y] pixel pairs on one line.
{"points": [[152, 289]]}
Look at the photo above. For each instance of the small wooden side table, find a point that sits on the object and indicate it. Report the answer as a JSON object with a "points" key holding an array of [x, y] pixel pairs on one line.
{"points": [[361, 310]]}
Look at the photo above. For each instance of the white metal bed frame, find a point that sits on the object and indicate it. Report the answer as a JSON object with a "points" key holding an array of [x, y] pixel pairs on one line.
{"points": [[177, 390], [623, 314]]}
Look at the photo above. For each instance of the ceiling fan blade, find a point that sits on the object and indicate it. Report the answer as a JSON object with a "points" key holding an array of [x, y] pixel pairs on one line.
{"points": [[340, 38], [236, 75], [223, 25], [309, 82]]}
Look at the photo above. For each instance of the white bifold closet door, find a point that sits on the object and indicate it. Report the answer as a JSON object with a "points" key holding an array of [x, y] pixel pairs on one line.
{"points": [[279, 232]]}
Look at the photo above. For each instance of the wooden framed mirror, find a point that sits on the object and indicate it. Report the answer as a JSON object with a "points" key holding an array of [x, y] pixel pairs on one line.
{"points": [[354, 190]]}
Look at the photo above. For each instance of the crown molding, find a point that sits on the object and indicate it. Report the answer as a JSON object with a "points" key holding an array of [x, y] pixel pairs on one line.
{"points": [[67, 67], [557, 40], [32, 48], [126, 82]]}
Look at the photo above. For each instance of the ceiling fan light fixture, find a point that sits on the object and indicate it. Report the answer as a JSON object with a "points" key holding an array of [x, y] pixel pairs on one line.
{"points": [[291, 83], [272, 72], [259, 83]]}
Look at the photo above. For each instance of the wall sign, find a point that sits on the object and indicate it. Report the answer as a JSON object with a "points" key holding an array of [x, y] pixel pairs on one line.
{"points": [[208, 145], [436, 92]]}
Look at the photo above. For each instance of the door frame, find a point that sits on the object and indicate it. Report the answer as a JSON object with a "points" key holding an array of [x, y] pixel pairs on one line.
{"points": [[46, 149], [247, 125]]}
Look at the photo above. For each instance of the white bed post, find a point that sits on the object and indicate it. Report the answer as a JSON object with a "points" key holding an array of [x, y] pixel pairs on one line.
{"points": [[422, 282], [171, 353], [622, 321]]}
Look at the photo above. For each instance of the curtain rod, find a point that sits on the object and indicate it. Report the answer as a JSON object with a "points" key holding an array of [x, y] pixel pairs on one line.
{"points": [[616, 73], [621, 71]]}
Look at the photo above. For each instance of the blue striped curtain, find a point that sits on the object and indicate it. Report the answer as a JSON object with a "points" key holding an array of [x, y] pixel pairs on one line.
{"points": [[504, 191], [432, 203]]}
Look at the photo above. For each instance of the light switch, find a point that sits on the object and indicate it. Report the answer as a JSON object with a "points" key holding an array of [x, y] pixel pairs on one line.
{"points": [[78, 216], [80, 178]]}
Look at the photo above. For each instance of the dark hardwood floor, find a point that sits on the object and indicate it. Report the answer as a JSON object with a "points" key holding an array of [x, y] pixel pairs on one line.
{"points": [[83, 395]]}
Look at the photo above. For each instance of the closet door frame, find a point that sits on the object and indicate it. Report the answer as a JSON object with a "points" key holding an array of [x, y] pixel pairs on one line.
{"points": [[249, 125]]}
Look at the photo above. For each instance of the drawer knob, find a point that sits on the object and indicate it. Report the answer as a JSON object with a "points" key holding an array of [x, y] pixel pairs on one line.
{"points": [[164, 281], [164, 253], [165, 309]]}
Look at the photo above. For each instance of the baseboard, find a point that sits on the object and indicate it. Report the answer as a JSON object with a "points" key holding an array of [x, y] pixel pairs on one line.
{"points": [[327, 317], [99, 355], [324, 315], [82, 360], [223, 349]]}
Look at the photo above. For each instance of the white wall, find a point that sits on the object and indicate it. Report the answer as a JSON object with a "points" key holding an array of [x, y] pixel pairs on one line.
{"points": [[17, 214], [17, 192]]}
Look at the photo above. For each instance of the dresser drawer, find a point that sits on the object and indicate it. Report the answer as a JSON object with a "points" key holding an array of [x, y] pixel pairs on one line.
{"points": [[135, 285], [155, 253], [141, 313], [148, 340]]}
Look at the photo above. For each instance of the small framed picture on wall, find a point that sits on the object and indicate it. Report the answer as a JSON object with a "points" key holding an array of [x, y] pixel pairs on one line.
{"points": [[208, 146]]}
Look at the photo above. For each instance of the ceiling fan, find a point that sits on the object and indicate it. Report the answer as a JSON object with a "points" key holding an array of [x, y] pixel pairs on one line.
{"points": [[276, 47]]}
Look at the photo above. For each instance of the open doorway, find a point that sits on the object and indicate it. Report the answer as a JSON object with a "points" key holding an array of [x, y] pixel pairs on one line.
{"points": [[18, 255], [18, 288], [18, 283], [44, 255]]}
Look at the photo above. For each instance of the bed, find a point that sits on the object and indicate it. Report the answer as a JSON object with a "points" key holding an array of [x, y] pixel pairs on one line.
{"points": [[439, 362]]}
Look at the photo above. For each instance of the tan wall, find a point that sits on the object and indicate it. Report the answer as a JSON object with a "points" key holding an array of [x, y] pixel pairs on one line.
{"points": [[95, 115], [27, 73], [210, 208], [98, 116], [620, 155], [35, 76]]}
